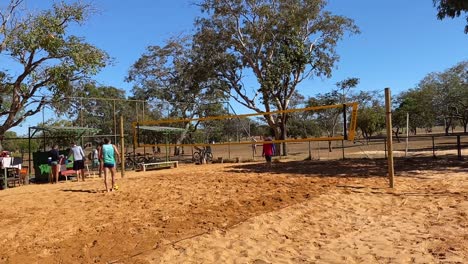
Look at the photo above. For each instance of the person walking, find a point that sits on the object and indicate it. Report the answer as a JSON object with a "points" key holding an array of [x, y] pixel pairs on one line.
{"points": [[54, 164], [108, 154], [78, 160], [268, 150]]}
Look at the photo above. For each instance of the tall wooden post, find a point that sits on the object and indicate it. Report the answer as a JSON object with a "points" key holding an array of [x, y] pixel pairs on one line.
{"points": [[122, 148], [388, 111]]}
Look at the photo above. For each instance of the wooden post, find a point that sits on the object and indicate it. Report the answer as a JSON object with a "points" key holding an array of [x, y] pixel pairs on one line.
{"points": [[122, 148], [388, 110], [459, 147]]}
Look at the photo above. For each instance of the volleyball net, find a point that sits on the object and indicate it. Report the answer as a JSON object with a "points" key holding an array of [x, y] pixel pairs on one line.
{"points": [[316, 123]]}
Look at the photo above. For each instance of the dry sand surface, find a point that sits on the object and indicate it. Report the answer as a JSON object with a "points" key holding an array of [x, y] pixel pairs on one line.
{"points": [[296, 212]]}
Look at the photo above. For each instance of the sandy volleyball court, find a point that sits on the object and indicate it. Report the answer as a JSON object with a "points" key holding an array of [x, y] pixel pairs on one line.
{"points": [[297, 212]]}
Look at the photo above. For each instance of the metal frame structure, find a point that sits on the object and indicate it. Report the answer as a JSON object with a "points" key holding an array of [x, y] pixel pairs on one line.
{"points": [[33, 130]]}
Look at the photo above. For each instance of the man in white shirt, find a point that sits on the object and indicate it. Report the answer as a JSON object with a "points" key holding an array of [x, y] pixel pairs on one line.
{"points": [[78, 160]]}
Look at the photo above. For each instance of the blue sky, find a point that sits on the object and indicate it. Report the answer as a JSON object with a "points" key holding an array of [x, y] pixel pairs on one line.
{"points": [[401, 41]]}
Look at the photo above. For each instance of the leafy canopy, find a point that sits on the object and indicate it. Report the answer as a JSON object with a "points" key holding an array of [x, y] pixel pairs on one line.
{"points": [[42, 58]]}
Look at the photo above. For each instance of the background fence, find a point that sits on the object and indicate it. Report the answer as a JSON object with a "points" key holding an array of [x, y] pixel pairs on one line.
{"points": [[438, 146]]}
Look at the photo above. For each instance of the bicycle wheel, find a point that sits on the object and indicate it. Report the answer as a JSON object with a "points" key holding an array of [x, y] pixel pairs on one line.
{"points": [[139, 167], [196, 157], [209, 157], [129, 165]]}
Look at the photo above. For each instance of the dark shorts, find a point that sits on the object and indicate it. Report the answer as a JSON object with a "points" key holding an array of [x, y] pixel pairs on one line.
{"points": [[54, 163], [268, 158], [109, 165], [78, 165]]}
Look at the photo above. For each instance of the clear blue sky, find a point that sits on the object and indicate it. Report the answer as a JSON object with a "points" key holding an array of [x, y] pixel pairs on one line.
{"points": [[401, 41]]}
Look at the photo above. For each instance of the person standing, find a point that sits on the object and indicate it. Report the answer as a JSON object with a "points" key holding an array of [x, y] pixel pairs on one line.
{"points": [[78, 160], [101, 162], [95, 158], [108, 154], [268, 150], [54, 164]]}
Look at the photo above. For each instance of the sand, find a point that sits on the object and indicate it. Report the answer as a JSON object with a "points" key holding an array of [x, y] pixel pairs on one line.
{"points": [[295, 212]]}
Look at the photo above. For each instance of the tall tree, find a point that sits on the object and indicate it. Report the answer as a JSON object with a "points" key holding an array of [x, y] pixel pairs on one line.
{"points": [[418, 104], [371, 113], [447, 91], [280, 42], [451, 8], [168, 73], [42, 58]]}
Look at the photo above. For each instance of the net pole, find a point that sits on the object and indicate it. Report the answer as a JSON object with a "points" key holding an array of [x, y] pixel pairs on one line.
{"points": [[388, 111], [115, 121], [122, 148], [407, 134]]}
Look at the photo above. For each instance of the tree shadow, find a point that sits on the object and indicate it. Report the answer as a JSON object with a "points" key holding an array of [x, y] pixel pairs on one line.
{"points": [[82, 191], [361, 168]]}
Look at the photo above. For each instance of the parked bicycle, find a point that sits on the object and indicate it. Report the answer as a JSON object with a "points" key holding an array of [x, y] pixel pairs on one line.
{"points": [[201, 153], [133, 162]]}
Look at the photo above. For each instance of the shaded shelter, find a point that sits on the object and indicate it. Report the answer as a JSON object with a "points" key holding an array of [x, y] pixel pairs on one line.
{"points": [[77, 132]]}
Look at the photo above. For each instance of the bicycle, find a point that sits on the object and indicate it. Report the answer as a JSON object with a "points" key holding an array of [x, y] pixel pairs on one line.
{"points": [[204, 152], [134, 162]]}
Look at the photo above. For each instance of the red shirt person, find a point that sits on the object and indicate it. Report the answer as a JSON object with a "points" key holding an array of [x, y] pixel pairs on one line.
{"points": [[268, 150]]}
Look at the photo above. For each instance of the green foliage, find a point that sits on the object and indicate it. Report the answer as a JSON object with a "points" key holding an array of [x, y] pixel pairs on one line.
{"points": [[440, 98], [12, 142], [169, 79], [50, 58], [371, 120], [327, 120], [451, 8]]}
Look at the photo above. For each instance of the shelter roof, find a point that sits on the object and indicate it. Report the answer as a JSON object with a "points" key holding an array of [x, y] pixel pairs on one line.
{"points": [[78, 130], [162, 128]]}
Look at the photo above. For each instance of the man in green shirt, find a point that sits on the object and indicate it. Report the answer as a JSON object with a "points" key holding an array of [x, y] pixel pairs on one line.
{"points": [[108, 154]]}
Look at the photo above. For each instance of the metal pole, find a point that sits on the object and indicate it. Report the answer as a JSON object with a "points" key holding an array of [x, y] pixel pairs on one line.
{"points": [[122, 149], [407, 133], [29, 155], [342, 147], [388, 110], [385, 146], [43, 131], [318, 150], [115, 123]]}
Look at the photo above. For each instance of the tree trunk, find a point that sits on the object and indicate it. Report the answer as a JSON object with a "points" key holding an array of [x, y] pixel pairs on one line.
{"points": [[283, 137], [397, 132], [2, 137]]}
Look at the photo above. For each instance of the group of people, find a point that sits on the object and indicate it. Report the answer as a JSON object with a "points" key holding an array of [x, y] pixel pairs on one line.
{"points": [[105, 157]]}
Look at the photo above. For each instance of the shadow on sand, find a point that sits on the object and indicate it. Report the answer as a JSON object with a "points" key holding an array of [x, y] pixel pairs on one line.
{"points": [[83, 191], [357, 167]]}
